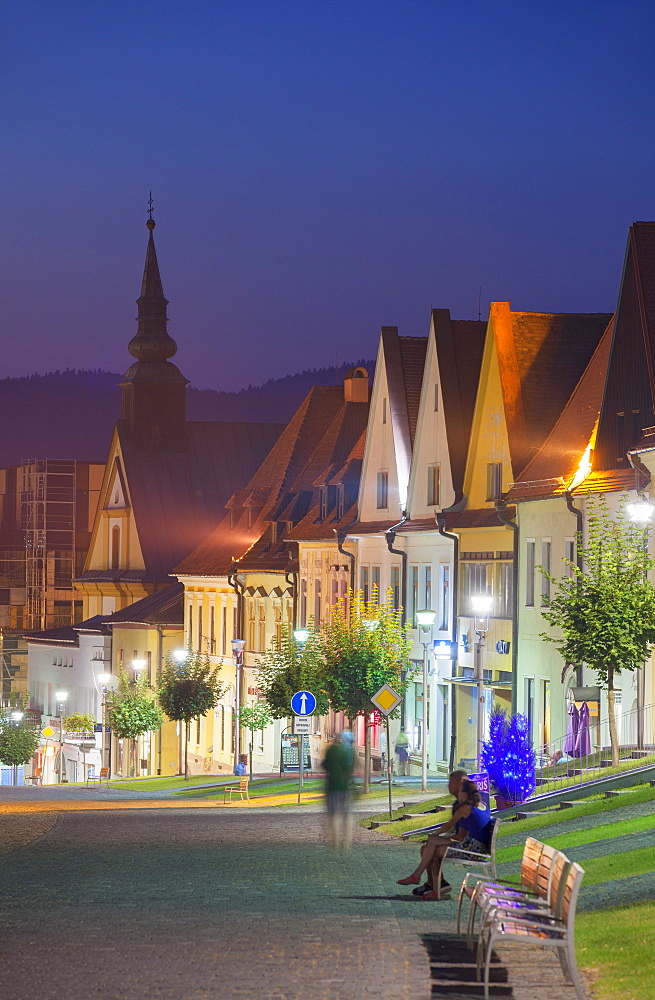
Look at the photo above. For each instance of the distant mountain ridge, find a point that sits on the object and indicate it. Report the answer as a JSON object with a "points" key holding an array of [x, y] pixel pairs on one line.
{"points": [[71, 413]]}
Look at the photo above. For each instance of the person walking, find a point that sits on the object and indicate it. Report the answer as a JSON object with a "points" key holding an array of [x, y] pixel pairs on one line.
{"points": [[402, 751], [338, 767]]}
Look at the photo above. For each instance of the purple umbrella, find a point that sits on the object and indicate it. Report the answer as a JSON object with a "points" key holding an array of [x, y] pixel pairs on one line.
{"points": [[572, 730], [583, 742]]}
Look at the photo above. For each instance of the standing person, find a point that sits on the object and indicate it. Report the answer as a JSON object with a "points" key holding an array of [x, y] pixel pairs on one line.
{"points": [[402, 750], [338, 767]]}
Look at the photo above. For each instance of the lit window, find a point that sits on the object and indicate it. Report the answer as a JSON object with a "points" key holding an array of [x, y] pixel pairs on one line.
{"points": [[382, 490], [433, 485], [494, 480]]}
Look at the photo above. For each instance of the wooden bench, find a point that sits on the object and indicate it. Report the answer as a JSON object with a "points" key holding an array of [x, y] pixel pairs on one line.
{"points": [[241, 788], [550, 929], [103, 776]]}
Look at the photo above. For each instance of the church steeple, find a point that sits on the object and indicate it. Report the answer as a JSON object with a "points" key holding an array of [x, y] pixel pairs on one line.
{"points": [[152, 341], [154, 389]]}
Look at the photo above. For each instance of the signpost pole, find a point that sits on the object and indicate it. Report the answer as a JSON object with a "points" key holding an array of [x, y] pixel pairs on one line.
{"points": [[386, 719], [301, 748]]}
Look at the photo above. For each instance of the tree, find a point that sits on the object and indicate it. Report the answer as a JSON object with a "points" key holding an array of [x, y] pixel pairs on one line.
{"points": [[79, 723], [508, 756], [365, 646], [188, 689], [254, 717], [606, 611], [133, 709], [290, 666], [18, 741]]}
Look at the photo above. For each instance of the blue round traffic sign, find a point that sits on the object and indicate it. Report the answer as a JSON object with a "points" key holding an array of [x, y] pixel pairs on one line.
{"points": [[303, 703]]}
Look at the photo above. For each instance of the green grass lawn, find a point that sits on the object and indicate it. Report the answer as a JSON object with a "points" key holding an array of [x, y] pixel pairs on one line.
{"points": [[258, 788], [617, 944], [167, 784]]}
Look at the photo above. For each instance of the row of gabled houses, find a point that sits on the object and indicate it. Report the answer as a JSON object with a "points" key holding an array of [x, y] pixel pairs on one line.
{"points": [[468, 468]]}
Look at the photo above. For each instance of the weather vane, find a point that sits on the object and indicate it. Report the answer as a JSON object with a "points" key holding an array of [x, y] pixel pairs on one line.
{"points": [[150, 207]]}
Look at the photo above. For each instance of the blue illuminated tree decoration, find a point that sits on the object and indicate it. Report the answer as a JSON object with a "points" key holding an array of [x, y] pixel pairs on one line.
{"points": [[508, 756]]}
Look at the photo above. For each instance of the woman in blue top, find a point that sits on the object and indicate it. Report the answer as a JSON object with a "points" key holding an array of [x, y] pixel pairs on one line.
{"points": [[466, 830]]}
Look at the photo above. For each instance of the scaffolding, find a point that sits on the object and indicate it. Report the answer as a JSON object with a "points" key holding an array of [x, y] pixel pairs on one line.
{"points": [[48, 495]]}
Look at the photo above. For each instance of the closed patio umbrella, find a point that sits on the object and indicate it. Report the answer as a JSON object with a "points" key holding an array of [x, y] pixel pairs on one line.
{"points": [[583, 742], [572, 730]]}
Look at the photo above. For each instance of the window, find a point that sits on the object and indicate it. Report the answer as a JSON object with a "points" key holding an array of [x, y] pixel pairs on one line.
{"points": [[212, 630], [427, 586], [278, 623], [198, 731], [545, 563], [200, 627], [222, 727], [444, 597], [190, 621], [395, 585], [340, 501], [261, 638], [224, 630], [529, 704], [569, 557], [494, 480], [529, 573], [115, 547], [487, 573], [436, 396], [323, 503], [363, 583], [375, 583], [384, 410], [413, 595], [149, 665], [303, 602], [317, 602], [433, 485], [382, 490], [251, 624]]}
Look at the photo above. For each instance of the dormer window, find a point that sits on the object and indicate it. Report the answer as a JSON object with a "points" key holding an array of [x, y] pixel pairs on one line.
{"points": [[382, 501], [323, 503], [340, 501]]}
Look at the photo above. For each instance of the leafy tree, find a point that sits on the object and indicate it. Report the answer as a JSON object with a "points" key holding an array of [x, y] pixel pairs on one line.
{"points": [[18, 741], [365, 646], [606, 611], [254, 717], [79, 723], [133, 709], [289, 666], [189, 689]]}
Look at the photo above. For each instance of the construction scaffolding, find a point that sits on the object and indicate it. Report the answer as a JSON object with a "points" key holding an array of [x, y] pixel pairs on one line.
{"points": [[48, 517]]}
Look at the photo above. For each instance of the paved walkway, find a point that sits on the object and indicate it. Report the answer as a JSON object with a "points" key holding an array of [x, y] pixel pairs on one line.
{"points": [[186, 904]]}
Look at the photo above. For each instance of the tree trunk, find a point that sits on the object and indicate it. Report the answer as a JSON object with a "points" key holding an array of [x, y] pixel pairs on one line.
{"points": [[252, 740], [612, 717], [187, 724], [367, 752]]}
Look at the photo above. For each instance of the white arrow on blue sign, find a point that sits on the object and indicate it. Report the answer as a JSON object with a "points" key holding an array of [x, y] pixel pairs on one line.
{"points": [[303, 703]]}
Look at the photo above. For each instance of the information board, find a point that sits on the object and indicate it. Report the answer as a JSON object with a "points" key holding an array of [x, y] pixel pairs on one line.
{"points": [[289, 754], [482, 781]]}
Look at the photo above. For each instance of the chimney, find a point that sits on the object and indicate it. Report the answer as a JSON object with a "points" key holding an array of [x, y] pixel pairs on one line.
{"points": [[355, 385]]}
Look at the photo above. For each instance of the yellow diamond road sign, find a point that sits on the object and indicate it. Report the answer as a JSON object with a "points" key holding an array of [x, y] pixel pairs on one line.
{"points": [[386, 699], [48, 732]]}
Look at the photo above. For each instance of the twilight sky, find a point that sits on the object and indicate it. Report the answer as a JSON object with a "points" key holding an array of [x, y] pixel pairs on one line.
{"points": [[319, 168]]}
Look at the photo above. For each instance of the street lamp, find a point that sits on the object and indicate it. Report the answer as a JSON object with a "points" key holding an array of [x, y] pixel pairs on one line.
{"points": [[180, 655], [425, 621], [238, 646], [482, 605], [104, 680], [640, 513], [301, 635], [61, 697]]}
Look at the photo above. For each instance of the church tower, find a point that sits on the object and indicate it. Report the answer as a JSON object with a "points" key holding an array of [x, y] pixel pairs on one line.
{"points": [[153, 389]]}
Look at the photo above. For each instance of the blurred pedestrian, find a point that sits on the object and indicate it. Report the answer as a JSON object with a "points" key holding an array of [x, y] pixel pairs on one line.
{"points": [[338, 767], [402, 751]]}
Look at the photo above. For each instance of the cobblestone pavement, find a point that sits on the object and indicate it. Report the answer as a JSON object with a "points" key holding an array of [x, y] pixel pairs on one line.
{"points": [[190, 905]]}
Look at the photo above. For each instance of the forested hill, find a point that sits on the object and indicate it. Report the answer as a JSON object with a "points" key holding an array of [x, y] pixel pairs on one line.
{"points": [[71, 414]]}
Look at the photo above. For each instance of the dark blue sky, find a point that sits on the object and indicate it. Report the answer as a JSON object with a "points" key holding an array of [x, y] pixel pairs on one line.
{"points": [[319, 168]]}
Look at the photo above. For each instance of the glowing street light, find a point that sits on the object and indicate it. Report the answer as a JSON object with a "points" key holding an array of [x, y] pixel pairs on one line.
{"points": [[60, 697], [425, 621]]}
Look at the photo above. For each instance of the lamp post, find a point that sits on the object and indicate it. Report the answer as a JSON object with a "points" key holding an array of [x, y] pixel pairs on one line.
{"points": [[61, 697], [180, 655], [237, 651], [137, 666], [301, 635], [640, 513], [425, 621], [104, 680], [482, 605]]}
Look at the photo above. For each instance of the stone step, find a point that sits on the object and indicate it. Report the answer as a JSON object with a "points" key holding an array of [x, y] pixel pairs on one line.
{"points": [[533, 812], [567, 805], [612, 794]]}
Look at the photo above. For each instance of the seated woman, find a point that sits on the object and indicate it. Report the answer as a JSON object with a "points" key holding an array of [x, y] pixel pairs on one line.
{"points": [[468, 829]]}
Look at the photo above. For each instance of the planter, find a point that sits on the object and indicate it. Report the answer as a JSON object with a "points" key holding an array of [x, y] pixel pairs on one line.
{"points": [[503, 803]]}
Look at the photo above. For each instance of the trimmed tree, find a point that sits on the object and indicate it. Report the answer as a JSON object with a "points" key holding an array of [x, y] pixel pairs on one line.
{"points": [[253, 717], [18, 741], [133, 710], [79, 723], [365, 646], [606, 611], [289, 666], [187, 690]]}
